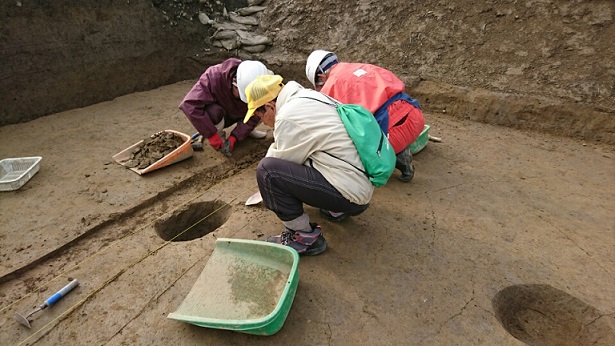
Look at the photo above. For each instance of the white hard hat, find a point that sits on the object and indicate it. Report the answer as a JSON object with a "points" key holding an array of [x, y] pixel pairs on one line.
{"points": [[247, 71], [319, 61]]}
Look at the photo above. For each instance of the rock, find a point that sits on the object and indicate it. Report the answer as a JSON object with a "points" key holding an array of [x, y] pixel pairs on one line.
{"points": [[255, 49], [249, 39], [226, 44], [246, 11], [231, 26], [224, 35], [255, 2], [234, 17], [204, 19]]}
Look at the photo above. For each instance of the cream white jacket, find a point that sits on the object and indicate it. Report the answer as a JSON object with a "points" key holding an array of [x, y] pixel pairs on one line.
{"points": [[305, 129]]}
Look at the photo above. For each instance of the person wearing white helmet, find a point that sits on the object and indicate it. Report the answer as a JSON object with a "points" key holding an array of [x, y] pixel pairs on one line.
{"points": [[319, 62], [215, 103], [247, 72], [379, 91]]}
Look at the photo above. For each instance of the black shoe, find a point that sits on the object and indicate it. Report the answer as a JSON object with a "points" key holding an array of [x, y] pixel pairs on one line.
{"points": [[327, 215], [317, 247], [404, 164], [305, 243]]}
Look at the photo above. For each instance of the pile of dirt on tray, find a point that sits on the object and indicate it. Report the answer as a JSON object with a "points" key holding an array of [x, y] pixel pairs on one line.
{"points": [[153, 149]]}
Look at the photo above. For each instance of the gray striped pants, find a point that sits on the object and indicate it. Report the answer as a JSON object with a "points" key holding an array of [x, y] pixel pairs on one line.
{"points": [[286, 186]]}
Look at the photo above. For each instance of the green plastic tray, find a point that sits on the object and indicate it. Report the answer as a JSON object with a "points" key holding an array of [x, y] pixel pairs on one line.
{"points": [[246, 286], [421, 141]]}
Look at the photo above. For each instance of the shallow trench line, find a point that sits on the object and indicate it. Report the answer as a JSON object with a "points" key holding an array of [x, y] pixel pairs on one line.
{"points": [[63, 273], [123, 270], [174, 281]]}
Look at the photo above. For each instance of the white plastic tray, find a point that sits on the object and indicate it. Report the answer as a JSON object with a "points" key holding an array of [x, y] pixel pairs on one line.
{"points": [[15, 172]]}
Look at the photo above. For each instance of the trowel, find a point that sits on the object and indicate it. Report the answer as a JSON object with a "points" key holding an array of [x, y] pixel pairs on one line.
{"points": [[48, 302], [254, 199], [434, 139]]}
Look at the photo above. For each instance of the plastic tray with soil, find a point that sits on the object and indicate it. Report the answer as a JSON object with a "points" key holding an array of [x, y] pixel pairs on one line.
{"points": [[159, 150]]}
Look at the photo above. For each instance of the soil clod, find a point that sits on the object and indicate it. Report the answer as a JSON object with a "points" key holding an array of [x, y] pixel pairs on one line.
{"points": [[153, 149]]}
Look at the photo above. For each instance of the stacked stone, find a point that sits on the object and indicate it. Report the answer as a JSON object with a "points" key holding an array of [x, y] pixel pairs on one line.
{"points": [[238, 31]]}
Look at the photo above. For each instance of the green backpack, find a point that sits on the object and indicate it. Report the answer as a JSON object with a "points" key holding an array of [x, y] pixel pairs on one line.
{"points": [[376, 153]]}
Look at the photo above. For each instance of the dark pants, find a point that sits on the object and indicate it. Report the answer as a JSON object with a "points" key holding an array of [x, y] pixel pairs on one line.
{"points": [[286, 185]]}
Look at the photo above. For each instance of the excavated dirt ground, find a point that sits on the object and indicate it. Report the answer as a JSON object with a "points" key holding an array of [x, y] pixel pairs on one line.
{"points": [[505, 236], [501, 233]]}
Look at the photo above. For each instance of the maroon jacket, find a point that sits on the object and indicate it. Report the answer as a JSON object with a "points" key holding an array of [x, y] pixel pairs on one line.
{"points": [[211, 99]]}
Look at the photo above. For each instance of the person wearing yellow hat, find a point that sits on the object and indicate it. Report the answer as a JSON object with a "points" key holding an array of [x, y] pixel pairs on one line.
{"points": [[310, 161], [216, 101]]}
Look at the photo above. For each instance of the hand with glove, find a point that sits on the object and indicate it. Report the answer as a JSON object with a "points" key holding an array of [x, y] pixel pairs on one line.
{"points": [[232, 141], [228, 146], [216, 141]]}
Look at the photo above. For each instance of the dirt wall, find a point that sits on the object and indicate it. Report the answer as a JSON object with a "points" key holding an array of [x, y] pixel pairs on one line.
{"points": [[545, 65], [60, 55]]}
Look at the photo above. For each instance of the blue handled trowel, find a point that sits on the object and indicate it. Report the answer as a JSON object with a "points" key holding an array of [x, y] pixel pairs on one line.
{"points": [[48, 302]]}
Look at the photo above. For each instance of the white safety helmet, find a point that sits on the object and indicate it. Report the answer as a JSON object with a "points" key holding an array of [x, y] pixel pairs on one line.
{"points": [[247, 71], [318, 62]]}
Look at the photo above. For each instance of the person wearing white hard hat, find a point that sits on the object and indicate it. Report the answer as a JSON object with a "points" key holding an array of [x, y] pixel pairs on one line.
{"points": [[379, 91], [215, 102], [247, 72]]}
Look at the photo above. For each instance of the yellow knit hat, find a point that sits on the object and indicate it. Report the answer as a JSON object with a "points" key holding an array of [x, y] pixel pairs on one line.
{"points": [[262, 90]]}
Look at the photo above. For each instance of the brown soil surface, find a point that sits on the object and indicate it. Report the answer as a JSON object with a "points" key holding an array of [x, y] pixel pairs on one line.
{"points": [[505, 236], [501, 234], [152, 149]]}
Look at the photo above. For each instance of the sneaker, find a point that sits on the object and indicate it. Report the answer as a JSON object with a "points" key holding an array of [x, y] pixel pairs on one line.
{"points": [[258, 134], [333, 216], [404, 164], [306, 243]]}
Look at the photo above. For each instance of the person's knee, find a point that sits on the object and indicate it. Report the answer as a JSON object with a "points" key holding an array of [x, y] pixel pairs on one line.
{"points": [[265, 164], [360, 211], [263, 167]]}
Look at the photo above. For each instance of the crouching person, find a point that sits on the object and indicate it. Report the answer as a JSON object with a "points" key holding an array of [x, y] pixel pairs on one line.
{"points": [[310, 161]]}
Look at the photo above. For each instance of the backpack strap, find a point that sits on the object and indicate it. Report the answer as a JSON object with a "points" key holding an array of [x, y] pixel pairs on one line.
{"points": [[357, 168], [335, 104]]}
